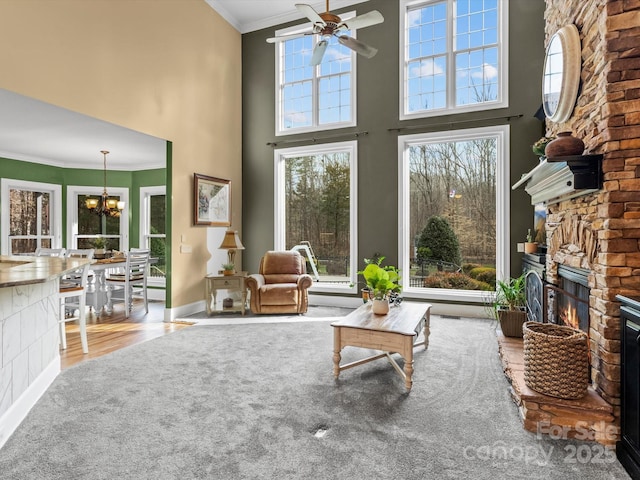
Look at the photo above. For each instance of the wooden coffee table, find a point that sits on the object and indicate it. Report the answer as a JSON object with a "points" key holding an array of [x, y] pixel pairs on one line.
{"points": [[395, 332]]}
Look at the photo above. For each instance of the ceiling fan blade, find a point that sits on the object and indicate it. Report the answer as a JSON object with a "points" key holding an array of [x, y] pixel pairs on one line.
{"points": [[357, 46], [318, 52], [310, 13], [287, 37], [365, 20]]}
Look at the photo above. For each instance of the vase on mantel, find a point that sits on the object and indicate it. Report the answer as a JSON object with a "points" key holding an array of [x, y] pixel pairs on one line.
{"points": [[565, 145]]}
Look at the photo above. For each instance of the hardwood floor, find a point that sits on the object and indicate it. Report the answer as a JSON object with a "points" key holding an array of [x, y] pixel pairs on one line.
{"points": [[108, 333]]}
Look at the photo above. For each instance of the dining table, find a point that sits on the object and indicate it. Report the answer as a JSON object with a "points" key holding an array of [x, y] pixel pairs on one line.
{"points": [[97, 288]]}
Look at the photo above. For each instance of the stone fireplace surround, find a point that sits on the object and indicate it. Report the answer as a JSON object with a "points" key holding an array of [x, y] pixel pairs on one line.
{"points": [[598, 232]]}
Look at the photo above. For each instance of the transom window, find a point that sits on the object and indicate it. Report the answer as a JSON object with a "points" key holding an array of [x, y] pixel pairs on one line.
{"points": [[454, 56], [318, 97]]}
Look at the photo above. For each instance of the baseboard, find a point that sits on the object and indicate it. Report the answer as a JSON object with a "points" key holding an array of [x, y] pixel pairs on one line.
{"points": [[170, 314], [335, 301], [447, 309], [17, 412]]}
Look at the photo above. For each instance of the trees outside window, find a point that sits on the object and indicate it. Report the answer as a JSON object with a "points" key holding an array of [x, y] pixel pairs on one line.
{"points": [[315, 207], [84, 226], [31, 216], [451, 210], [153, 230]]}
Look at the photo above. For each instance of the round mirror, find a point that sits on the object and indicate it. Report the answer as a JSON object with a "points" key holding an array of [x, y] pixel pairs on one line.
{"points": [[561, 74]]}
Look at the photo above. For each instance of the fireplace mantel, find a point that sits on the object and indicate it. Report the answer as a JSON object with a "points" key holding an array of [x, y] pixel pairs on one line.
{"points": [[562, 178]]}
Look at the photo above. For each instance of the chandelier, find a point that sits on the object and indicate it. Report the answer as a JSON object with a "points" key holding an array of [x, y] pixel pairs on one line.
{"points": [[105, 206]]}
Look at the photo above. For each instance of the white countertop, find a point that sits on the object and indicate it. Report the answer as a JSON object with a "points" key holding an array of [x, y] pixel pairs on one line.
{"points": [[19, 270]]}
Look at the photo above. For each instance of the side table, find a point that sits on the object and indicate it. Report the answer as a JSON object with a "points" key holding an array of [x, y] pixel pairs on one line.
{"points": [[230, 283]]}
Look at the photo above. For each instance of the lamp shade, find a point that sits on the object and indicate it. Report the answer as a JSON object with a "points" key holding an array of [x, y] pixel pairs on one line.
{"points": [[231, 240]]}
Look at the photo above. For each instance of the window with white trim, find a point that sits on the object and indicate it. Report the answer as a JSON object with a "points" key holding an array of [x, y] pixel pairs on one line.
{"points": [[454, 56], [153, 230], [84, 226], [454, 211], [310, 98], [315, 211], [31, 216]]}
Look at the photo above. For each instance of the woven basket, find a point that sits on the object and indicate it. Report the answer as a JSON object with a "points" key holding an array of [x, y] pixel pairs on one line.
{"points": [[556, 360]]}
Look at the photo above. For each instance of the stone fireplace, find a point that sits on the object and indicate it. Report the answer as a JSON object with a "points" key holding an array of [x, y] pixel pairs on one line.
{"points": [[598, 233]]}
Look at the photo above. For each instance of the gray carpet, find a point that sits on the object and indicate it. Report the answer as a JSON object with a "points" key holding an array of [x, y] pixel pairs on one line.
{"points": [[245, 401]]}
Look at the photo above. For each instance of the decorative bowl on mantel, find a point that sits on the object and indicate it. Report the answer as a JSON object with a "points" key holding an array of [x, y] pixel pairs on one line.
{"points": [[565, 145]]}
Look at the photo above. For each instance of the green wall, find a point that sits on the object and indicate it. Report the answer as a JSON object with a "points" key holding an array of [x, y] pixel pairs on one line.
{"points": [[378, 114], [133, 180]]}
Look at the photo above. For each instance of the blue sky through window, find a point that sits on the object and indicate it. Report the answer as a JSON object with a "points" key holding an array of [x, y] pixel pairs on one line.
{"points": [[474, 33], [315, 96]]}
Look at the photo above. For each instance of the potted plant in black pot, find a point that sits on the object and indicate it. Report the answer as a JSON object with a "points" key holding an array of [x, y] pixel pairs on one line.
{"points": [[510, 306]]}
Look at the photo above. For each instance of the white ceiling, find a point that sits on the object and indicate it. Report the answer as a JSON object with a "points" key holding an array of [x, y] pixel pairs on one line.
{"points": [[39, 132], [250, 15], [35, 131]]}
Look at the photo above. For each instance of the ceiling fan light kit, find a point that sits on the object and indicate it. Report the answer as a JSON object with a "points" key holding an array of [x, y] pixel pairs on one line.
{"points": [[328, 24]]}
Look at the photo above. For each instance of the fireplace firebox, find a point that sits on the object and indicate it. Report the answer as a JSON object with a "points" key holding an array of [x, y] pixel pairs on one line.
{"points": [[568, 302]]}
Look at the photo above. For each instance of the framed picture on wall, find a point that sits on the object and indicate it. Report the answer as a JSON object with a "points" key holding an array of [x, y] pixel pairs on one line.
{"points": [[212, 201]]}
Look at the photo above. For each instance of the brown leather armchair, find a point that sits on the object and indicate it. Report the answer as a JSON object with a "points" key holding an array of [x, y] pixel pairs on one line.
{"points": [[281, 286]]}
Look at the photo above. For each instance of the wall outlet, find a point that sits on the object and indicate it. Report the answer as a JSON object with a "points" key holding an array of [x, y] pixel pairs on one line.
{"points": [[188, 249], [520, 247]]}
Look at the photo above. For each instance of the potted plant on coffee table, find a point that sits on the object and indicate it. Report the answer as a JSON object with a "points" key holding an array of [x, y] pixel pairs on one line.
{"points": [[381, 282], [510, 305]]}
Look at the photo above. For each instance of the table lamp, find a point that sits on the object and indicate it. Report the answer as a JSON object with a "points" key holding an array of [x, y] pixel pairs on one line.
{"points": [[231, 242]]}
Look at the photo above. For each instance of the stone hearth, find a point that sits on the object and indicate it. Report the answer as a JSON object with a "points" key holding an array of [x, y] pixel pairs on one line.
{"points": [[590, 418]]}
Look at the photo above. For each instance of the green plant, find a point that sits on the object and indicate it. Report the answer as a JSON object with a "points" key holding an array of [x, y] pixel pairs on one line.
{"points": [[468, 267], [381, 281], [529, 236], [540, 145], [510, 294], [99, 243], [228, 266], [454, 280], [484, 274], [441, 240]]}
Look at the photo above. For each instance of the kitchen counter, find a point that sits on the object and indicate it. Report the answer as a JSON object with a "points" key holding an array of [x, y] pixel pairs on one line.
{"points": [[29, 351], [19, 270]]}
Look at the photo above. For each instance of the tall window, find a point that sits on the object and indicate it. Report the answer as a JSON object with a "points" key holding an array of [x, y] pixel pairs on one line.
{"points": [[454, 55], [153, 230], [83, 226], [31, 216], [313, 97], [315, 211], [454, 227]]}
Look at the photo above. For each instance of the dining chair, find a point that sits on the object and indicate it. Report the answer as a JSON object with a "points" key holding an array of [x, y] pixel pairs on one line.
{"points": [[72, 296], [49, 252], [131, 280]]}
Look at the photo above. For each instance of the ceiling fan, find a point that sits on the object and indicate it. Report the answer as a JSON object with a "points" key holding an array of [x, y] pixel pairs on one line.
{"points": [[327, 24]]}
